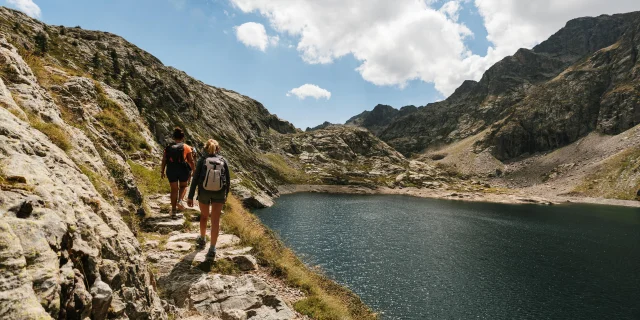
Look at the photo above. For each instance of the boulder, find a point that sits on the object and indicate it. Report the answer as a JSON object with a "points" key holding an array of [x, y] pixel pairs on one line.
{"points": [[178, 246], [163, 224], [244, 262], [101, 301]]}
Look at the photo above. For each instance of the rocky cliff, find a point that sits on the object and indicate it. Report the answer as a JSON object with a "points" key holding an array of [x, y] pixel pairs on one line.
{"points": [[162, 96], [584, 78], [83, 118]]}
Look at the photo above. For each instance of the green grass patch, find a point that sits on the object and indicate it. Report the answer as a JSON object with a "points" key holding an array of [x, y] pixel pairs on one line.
{"points": [[617, 177], [148, 180], [325, 298], [103, 185], [284, 170], [224, 266], [56, 134], [115, 121]]}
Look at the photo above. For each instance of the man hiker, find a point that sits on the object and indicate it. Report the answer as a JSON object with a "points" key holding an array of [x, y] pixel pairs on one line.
{"points": [[177, 166]]}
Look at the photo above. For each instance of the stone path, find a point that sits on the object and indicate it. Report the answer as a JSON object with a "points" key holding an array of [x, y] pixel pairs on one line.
{"points": [[188, 287]]}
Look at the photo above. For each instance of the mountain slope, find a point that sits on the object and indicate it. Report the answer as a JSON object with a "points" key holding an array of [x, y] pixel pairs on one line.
{"points": [[594, 53], [163, 96]]}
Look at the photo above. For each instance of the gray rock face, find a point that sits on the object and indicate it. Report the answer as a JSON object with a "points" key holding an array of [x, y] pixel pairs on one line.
{"points": [[58, 232], [244, 297], [580, 80], [102, 296]]}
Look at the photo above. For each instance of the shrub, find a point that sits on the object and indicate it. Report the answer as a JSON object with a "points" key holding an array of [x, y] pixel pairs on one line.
{"points": [[42, 45]]}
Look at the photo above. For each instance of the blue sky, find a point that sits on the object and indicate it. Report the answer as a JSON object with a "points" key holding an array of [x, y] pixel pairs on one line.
{"points": [[199, 37]]}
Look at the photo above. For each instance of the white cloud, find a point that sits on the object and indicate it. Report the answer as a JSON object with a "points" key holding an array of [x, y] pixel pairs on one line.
{"points": [[26, 6], [397, 41], [309, 90], [253, 34]]}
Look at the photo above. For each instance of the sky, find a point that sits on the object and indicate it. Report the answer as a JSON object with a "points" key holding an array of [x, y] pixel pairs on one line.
{"points": [[310, 61]]}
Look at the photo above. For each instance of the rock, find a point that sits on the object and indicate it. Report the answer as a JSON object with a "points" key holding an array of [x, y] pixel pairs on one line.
{"points": [[110, 273], [102, 296], [178, 246], [117, 307], [252, 199], [163, 224], [400, 177], [227, 240], [183, 237], [638, 193], [234, 314], [244, 262], [23, 210], [16, 179], [151, 244], [236, 252], [241, 297], [17, 298]]}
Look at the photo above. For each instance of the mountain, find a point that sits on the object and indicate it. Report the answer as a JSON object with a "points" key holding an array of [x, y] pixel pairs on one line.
{"points": [[584, 78], [380, 117], [84, 116]]}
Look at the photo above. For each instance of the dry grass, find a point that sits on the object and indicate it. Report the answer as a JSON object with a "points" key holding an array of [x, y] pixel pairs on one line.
{"points": [[325, 299], [148, 180], [287, 172], [56, 134], [618, 177], [115, 121]]}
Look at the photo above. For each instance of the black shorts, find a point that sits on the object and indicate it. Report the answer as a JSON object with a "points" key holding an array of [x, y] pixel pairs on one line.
{"points": [[179, 173]]}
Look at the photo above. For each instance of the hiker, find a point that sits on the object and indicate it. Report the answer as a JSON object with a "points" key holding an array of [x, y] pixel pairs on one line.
{"points": [[178, 162], [213, 181], [194, 156]]}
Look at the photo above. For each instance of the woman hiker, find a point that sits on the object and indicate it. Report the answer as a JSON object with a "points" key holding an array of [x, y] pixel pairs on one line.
{"points": [[178, 162], [212, 179]]}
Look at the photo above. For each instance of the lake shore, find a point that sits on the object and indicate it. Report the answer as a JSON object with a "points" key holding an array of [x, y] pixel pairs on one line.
{"points": [[515, 197]]}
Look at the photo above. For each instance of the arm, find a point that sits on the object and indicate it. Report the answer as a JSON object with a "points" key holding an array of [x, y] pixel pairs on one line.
{"points": [[194, 183], [164, 163], [228, 178], [190, 161]]}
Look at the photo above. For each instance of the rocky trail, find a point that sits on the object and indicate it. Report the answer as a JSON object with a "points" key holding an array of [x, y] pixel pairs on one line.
{"points": [[233, 286]]}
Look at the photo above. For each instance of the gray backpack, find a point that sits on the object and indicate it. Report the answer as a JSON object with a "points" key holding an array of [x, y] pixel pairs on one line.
{"points": [[214, 175]]}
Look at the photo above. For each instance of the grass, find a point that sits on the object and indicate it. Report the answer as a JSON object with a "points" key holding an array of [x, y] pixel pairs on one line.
{"points": [[115, 121], [104, 186], [325, 299], [617, 177], [148, 180], [226, 267], [284, 170], [56, 134]]}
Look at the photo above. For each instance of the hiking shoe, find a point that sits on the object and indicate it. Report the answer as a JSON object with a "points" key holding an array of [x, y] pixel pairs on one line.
{"points": [[173, 214], [180, 207], [200, 242], [211, 254]]}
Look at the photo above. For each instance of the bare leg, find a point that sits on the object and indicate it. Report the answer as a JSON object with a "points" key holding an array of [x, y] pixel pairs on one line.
{"points": [[216, 210], [174, 196], [204, 216], [183, 191]]}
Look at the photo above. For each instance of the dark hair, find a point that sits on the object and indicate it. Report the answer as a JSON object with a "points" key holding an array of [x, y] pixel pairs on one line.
{"points": [[178, 134]]}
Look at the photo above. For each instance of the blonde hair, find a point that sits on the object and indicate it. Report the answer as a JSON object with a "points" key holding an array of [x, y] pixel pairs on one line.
{"points": [[212, 146]]}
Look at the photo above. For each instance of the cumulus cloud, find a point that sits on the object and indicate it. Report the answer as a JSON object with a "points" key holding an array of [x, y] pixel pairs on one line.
{"points": [[402, 40], [253, 34], [309, 90], [26, 6]]}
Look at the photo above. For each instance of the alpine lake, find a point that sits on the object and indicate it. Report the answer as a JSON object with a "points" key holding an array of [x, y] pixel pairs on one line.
{"points": [[415, 258]]}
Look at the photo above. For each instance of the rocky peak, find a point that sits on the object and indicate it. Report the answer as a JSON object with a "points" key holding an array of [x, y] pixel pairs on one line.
{"points": [[518, 80]]}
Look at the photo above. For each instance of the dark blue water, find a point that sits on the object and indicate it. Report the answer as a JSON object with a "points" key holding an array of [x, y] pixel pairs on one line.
{"points": [[413, 258]]}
